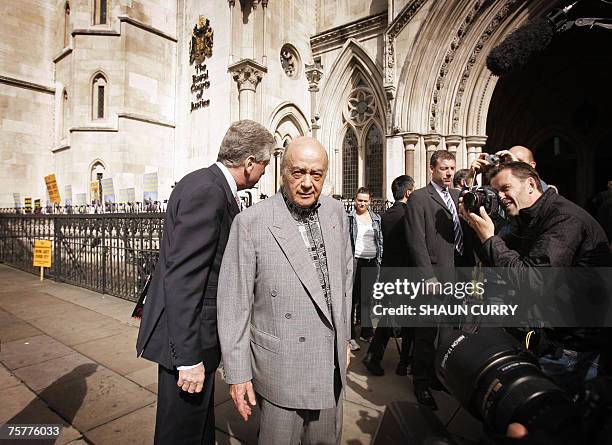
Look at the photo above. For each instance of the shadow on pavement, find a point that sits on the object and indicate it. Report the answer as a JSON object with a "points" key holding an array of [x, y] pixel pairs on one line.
{"points": [[32, 413]]}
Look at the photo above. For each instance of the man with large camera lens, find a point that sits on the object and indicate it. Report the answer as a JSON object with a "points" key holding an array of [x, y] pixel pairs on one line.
{"points": [[547, 230]]}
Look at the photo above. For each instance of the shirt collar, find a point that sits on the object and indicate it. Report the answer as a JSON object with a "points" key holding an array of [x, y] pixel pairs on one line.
{"points": [[438, 188], [299, 213], [228, 177]]}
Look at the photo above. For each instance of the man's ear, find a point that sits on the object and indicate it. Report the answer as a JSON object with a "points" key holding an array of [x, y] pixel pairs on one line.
{"points": [[249, 163]]}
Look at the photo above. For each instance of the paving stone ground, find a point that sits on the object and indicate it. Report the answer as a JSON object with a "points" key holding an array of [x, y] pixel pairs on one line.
{"points": [[67, 356]]}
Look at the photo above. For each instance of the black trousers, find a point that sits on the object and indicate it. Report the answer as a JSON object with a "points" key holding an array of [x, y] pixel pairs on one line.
{"points": [[362, 298], [382, 334], [183, 418], [423, 358]]}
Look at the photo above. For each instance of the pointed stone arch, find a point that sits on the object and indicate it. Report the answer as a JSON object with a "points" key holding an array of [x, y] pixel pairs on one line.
{"points": [[352, 65]]}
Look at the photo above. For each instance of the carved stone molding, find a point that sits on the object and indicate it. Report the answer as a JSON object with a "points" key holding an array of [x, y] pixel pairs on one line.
{"points": [[231, 3], [432, 141], [335, 37], [460, 35], [247, 73], [493, 25], [410, 139], [396, 26], [314, 73]]}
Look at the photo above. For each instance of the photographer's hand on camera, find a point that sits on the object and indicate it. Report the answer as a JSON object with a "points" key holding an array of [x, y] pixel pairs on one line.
{"points": [[482, 224]]}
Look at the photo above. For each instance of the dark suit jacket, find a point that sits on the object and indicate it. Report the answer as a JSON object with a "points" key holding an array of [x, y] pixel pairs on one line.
{"points": [[430, 234], [179, 321], [395, 247]]}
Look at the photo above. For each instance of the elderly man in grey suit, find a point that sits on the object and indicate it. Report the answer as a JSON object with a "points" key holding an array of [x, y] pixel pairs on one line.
{"points": [[284, 305]]}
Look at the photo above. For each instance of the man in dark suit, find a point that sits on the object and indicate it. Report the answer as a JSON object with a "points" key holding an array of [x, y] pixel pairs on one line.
{"points": [[179, 322], [436, 243], [394, 255]]}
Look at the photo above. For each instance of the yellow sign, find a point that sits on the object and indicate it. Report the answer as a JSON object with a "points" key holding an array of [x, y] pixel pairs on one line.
{"points": [[28, 205], [54, 194], [94, 190], [42, 253]]}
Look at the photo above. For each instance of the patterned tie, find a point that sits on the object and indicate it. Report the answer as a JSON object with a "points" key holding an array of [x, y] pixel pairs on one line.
{"points": [[239, 202], [456, 224]]}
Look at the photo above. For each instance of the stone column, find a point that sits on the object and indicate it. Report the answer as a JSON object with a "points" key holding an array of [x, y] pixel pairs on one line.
{"points": [[314, 72], [474, 147], [394, 158], [410, 140], [247, 73], [231, 4], [453, 142], [432, 141]]}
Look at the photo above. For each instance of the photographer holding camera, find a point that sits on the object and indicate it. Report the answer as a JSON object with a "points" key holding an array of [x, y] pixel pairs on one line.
{"points": [[547, 230]]}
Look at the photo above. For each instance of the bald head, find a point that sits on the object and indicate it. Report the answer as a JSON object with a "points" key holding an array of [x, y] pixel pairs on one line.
{"points": [[303, 145], [523, 154], [303, 168]]}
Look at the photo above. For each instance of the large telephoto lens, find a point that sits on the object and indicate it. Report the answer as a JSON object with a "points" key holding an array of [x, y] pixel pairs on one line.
{"points": [[500, 382]]}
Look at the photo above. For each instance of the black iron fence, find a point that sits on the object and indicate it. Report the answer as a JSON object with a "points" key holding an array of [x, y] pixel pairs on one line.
{"points": [[376, 205], [111, 253], [109, 249]]}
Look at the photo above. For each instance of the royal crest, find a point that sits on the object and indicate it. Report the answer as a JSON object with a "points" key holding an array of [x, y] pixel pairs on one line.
{"points": [[201, 41]]}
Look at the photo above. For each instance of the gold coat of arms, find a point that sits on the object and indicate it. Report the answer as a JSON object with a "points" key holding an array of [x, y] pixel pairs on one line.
{"points": [[201, 43]]}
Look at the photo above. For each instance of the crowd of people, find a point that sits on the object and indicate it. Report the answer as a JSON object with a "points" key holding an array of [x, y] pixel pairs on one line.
{"points": [[276, 292]]}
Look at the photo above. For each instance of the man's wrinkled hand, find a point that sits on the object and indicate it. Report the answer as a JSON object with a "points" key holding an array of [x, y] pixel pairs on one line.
{"points": [[238, 393], [191, 380]]}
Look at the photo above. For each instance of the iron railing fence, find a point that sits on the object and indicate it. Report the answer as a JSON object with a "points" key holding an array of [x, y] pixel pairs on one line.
{"points": [[108, 253], [104, 250], [376, 205], [124, 207]]}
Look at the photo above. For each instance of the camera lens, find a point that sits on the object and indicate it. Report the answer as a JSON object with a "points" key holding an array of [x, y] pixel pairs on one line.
{"points": [[499, 382], [471, 201]]}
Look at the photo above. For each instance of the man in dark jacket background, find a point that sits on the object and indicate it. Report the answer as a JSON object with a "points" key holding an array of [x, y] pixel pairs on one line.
{"points": [[179, 322], [395, 254]]}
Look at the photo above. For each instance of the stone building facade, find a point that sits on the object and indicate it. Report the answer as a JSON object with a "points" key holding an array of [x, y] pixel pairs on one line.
{"points": [[120, 88]]}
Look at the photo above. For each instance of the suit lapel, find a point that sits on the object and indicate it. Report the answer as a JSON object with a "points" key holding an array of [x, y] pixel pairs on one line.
{"points": [[285, 231], [331, 238], [232, 205], [436, 197]]}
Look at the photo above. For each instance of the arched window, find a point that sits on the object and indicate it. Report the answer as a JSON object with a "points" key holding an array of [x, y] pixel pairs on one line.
{"points": [[98, 97], [66, 24], [65, 114], [350, 163], [374, 161], [100, 9]]}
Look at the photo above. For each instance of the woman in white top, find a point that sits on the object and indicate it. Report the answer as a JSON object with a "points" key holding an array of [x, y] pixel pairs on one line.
{"points": [[366, 239]]}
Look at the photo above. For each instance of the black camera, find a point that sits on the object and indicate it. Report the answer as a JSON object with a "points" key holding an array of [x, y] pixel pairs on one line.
{"points": [[476, 197], [493, 159]]}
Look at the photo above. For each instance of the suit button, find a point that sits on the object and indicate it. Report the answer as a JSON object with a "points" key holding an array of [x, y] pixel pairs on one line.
{"points": [[302, 339], [287, 315], [273, 292]]}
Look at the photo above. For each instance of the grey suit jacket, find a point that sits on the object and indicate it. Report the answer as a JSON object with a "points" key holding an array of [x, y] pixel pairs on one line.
{"points": [[274, 324]]}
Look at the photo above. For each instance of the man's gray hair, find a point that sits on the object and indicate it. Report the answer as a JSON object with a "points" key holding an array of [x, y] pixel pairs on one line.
{"points": [[243, 139]]}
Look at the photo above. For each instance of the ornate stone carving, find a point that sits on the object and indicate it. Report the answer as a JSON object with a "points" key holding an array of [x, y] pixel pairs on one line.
{"points": [[314, 73], [392, 31], [361, 106], [231, 3], [247, 73], [493, 25], [460, 34], [290, 61], [338, 36]]}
